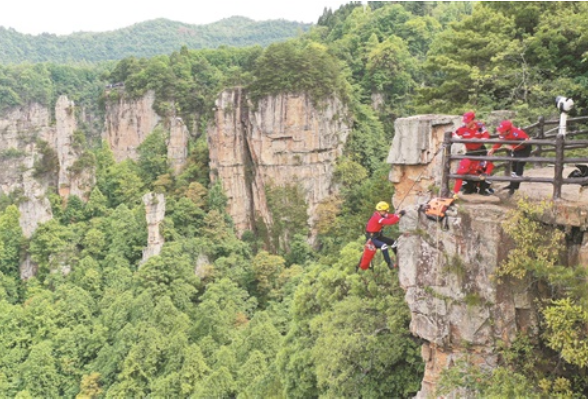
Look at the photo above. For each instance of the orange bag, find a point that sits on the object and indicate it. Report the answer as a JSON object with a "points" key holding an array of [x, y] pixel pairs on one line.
{"points": [[436, 208]]}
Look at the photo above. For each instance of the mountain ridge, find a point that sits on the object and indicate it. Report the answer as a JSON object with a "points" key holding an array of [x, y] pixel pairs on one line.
{"points": [[143, 39]]}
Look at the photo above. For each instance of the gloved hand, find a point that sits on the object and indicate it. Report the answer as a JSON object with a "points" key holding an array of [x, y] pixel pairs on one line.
{"points": [[401, 213], [455, 196]]}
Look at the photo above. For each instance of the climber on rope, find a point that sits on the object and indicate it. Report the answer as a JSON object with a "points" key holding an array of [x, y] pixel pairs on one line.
{"points": [[373, 233]]}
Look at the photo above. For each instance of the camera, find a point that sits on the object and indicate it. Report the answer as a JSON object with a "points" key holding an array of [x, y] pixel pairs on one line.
{"points": [[564, 104]]}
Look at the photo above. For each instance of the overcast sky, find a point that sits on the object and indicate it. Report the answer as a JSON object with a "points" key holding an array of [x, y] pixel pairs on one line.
{"points": [[63, 17]]}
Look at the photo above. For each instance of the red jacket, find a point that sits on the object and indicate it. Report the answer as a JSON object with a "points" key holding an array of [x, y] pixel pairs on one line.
{"points": [[514, 134], [479, 131], [471, 167], [377, 222]]}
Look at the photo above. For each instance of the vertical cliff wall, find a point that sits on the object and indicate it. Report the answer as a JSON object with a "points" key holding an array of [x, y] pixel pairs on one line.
{"points": [[19, 130], [284, 140], [177, 146], [129, 121], [70, 182], [23, 132], [457, 307]]}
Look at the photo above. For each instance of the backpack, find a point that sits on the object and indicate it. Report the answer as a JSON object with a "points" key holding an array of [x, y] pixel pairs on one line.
{"points": [[436, 209]]}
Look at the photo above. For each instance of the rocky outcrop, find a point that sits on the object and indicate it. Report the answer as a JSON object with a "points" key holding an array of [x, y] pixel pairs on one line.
{"points": [[23, 134], [155, 212], [456, 305], [285, 140], [19, 130], [177, 146], [28, 268], [127, 123], [416, 156], [71, 181]]}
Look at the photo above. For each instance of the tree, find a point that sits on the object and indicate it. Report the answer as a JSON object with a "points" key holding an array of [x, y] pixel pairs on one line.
{"points": [[218, 385], [51, 246], [170, 275], [74, 211], [193, 371], [97, 204], [90, 387], [267, 268], [122, 184], [217, 199], [39, 372], [152, 160], [126, 233], [11, 238], [467, 63], [222, 307]]}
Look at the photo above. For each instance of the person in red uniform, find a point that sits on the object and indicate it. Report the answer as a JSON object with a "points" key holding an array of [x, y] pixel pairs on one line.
{"points": [[472, 129], [473, 167], [376, 224], [507, 131]]}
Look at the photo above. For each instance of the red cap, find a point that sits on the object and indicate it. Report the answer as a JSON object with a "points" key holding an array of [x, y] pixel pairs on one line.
{"points": [[504, 126], [468, 117]]}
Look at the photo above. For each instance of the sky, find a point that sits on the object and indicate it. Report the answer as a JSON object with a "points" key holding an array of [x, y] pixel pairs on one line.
{"points": [[62, 17]]}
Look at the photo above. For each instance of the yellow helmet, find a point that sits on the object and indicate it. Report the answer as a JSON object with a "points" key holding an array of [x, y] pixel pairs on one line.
{"points": [[382, 206]]}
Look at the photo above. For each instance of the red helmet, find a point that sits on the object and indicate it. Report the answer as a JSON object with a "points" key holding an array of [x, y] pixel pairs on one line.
{"points": [[468, 117], [504, 126]]}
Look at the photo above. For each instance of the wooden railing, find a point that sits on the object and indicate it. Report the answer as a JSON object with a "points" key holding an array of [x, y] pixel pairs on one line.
{"points": [[543, 141]]}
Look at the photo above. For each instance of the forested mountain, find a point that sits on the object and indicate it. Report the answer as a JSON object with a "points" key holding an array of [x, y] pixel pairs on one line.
{"points": [[296, 322], [145, 39]]}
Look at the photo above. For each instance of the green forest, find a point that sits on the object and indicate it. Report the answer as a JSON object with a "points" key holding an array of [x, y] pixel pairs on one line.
{"points": [[145, 39], [264, 318]]}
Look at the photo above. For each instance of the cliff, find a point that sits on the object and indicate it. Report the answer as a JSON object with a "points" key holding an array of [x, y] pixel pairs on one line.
{"points": [[29, 167], [36, 154], [19, 129], [129, 121], [284, 140], [457, 307]]}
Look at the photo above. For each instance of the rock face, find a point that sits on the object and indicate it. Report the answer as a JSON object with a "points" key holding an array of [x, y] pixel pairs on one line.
{"points": [[77, 183], [456, 306], [286, 140], [416, 156], [19, 130], [128, 122], [177, 146], [22, 130], [155, 210]]}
